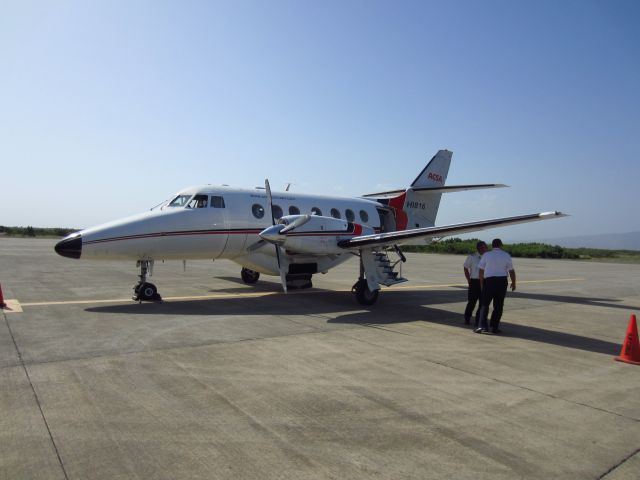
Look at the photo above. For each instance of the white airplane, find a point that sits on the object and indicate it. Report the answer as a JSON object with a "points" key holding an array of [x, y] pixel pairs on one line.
{"points": [[288, 234]]}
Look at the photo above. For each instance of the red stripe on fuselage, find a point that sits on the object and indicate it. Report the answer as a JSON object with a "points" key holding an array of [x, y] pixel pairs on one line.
{"points": [[172, 234]]}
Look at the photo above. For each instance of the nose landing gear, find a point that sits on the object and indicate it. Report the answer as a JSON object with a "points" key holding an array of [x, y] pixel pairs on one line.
{"points": [[143, 290]]}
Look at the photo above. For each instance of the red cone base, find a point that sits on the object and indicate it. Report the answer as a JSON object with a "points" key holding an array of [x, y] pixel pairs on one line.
{"points": [[630, 352]]}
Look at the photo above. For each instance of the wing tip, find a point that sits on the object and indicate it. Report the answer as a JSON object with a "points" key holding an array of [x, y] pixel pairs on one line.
{"points": [[554, 213]]}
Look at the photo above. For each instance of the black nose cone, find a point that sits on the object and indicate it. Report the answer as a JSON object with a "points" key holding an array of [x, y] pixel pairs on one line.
{"points": [[70, 247]]}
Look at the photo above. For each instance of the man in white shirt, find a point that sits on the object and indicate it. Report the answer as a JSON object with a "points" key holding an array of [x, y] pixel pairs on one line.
{"points": [[493, 268], [472, 273]]}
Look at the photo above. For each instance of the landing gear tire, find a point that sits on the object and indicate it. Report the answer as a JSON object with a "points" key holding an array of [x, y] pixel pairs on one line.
{"points": [[249, 276], [363, 294], [147, 292]]}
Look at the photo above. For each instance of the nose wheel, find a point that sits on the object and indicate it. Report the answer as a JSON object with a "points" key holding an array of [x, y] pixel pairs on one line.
{"points": [[144, 291]]}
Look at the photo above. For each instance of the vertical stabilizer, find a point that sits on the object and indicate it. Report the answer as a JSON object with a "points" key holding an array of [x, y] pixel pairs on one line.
{"points": [[435, 173], [421, 207]]}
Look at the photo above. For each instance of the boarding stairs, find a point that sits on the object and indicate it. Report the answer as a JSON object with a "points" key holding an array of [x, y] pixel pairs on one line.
{"points": [[387, 275]]}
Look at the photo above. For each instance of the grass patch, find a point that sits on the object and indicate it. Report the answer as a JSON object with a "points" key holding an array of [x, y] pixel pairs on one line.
{"points": [[32, 232], [458, 246]]}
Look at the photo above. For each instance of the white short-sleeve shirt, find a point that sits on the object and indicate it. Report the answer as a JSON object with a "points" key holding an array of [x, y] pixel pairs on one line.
{"points": [[471, 264], [496, 263]]}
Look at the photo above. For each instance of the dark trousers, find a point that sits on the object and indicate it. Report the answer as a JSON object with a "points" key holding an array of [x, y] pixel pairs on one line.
{"points": [[495, 289], [473, 295]]}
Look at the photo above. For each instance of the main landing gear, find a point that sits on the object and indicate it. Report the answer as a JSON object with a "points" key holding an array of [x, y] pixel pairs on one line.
{"points": [[364, 296], [249, 276], [145, 291]]}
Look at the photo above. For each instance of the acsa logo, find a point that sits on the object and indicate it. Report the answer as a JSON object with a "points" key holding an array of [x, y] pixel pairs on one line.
{"points": [[435, 177]]}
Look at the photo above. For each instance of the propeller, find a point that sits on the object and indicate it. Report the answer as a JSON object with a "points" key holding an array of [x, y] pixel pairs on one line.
{"points": [[283, 273], [273, 234], [298, 222]]}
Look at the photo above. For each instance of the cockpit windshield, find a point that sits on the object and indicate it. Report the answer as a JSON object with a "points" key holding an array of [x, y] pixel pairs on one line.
{"points": [[179, 201], [199, 201]]}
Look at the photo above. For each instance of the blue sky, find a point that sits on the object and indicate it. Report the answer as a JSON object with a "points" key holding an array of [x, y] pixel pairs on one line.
{"points": [[109, 107]]}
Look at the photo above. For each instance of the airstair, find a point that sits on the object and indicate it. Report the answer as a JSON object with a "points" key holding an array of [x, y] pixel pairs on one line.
{"points": [[387, 275]]}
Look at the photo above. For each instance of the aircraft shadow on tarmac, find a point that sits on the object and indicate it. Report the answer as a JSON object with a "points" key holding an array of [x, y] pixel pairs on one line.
{"points": [[394, 306]]}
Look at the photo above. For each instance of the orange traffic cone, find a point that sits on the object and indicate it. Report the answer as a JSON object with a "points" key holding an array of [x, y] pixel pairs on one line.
{"points": [[2, 304], [630, 352]]}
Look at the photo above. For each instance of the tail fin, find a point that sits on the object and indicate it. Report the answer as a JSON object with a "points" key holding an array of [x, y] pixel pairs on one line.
{"points": [[435, 173], [421, 207]]}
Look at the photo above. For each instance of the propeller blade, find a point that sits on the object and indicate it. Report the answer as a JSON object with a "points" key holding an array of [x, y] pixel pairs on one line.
{"points": [[283, 273], [269, 200], [298, 222], [259, 244]]}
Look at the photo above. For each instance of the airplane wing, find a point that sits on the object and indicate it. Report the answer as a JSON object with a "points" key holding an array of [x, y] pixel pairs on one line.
{"points": [[444, 189], [403, 236]]}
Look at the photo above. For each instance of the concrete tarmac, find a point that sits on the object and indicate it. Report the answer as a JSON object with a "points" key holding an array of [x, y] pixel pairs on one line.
{"points": [[225, 380]]}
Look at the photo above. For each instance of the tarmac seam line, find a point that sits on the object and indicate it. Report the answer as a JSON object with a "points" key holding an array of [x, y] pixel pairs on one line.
{"points": [[619, 464], [106, 355], [35, 395], [515, 385]]}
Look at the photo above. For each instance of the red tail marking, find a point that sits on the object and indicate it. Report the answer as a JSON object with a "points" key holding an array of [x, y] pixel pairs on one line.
{"points": [[397, 203]]}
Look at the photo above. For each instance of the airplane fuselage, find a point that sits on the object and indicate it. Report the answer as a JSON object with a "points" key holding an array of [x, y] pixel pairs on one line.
{"points": [[288, 234], [223, 223]]}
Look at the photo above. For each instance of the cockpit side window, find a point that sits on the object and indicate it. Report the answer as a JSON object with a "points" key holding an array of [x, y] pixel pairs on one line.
{"points": [[217, 202], [199, 201], [179, 201]]}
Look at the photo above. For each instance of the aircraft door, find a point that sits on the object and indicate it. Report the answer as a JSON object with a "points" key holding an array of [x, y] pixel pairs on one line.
{"points": [[235, 223], [387, 220]]}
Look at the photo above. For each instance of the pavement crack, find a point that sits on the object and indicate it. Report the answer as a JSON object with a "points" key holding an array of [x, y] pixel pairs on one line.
{"points": [[37, 399], [619, 464], [504, 382]]}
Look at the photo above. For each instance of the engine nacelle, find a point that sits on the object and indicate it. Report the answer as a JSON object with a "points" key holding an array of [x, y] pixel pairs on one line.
{"points": [[313, 234]]}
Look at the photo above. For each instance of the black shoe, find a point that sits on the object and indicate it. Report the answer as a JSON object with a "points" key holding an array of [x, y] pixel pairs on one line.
{"points": [[486, 332], [477, 330], [497, 331]]}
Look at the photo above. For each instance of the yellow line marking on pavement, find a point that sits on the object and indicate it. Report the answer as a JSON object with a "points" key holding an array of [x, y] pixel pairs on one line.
{"points": [[12, 306], [119, 300], [264, 294]]}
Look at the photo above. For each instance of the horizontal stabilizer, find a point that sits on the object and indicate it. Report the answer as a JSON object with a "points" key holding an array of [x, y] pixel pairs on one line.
{"points": [[403, 236], [443, 189]]}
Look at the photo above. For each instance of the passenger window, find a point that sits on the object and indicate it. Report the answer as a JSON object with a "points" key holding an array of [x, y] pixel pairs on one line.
{"points": [[257, 210], [199, 201], [335, 213], [294, 210], [364, 216], [350, 215], [277, 212], [316, 211], [217, 202]]}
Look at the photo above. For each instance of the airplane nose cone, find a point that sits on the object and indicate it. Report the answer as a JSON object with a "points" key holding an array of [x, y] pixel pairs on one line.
{"points": [[272, 234], [70, 247]]}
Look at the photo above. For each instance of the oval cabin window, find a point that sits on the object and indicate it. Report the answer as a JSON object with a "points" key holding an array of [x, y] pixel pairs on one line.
{"points": [[257, 210]]}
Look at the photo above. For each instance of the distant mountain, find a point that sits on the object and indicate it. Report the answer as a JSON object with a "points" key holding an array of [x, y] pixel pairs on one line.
{"points": [[610, 241]]}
